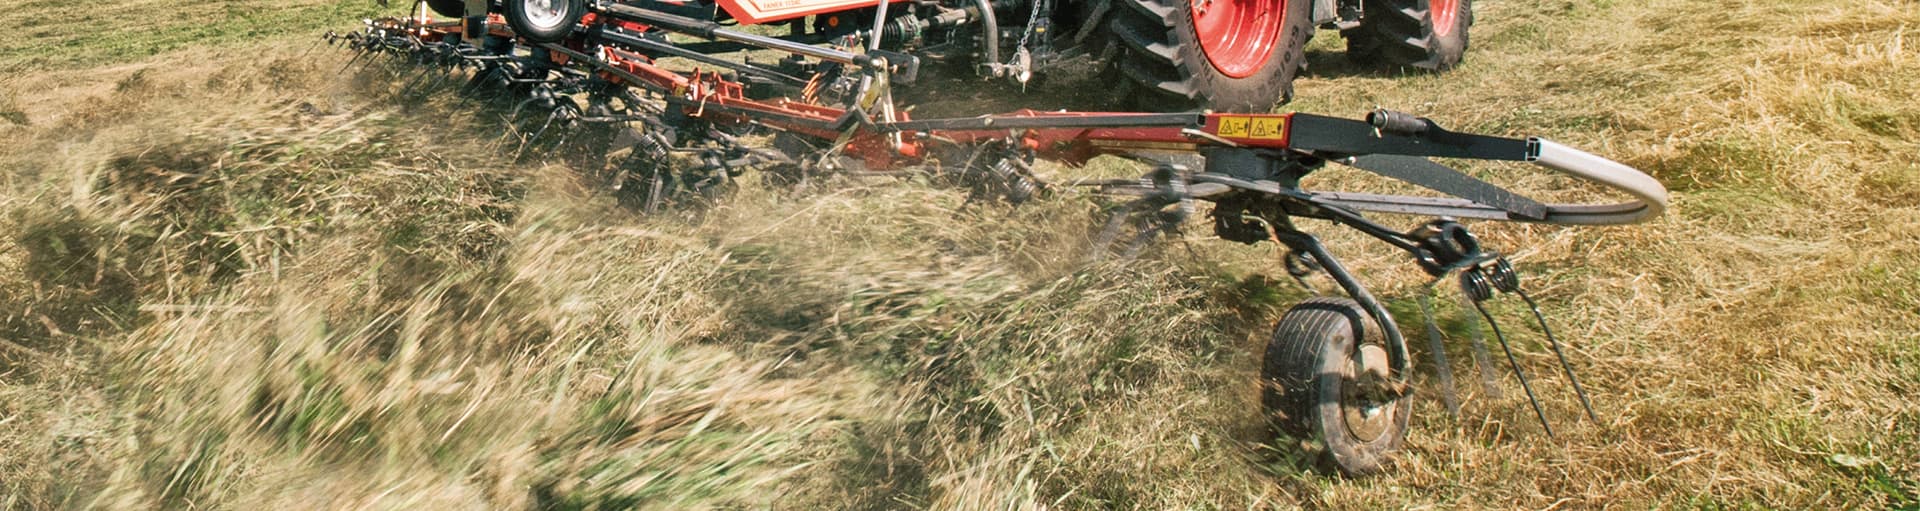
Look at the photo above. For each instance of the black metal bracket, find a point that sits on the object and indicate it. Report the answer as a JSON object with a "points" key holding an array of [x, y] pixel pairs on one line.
{"points": [[902, 68], [1396, 344]]}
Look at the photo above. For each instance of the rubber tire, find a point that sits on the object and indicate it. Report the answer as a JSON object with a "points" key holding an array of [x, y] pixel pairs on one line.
{"points": [[448, 8], [1302, 383], [516, 14], [1399, 35], [1160, 55]]}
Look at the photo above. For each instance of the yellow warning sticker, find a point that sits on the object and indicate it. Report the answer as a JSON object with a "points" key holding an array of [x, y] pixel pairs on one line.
{"points": [[1268, 128], [1234, 126], [1271, 128]]}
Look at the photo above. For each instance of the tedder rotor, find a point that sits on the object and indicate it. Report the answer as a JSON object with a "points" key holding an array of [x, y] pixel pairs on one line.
{"points": [[1337, 368]]}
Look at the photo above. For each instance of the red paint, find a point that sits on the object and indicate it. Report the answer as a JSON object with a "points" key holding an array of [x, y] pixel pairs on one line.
{"points": [[762, 11], [1238, 36], [710, 96], [1444, 13]]}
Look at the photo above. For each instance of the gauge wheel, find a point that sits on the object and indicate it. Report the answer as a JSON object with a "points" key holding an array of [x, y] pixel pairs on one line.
{"points": [[1328, 377], [544, 21], [1226, 55]]}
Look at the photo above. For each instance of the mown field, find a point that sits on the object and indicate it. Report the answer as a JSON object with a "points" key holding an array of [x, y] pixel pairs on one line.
{"points": [[234, 276]]}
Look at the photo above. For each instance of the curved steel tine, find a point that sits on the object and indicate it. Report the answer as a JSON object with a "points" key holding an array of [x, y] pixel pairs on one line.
{"points": [[1512, 362], [1482, 358], [656, 185], [1443, 370], [528, 143], [1115, 222], [1578, 390], [1147, 234]]}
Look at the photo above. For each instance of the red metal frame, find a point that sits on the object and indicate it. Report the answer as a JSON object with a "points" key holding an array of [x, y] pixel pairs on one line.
{"points": [[711, 97]]}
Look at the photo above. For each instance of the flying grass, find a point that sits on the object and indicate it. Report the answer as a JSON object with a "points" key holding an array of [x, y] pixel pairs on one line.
{"points": [[255, 282]]}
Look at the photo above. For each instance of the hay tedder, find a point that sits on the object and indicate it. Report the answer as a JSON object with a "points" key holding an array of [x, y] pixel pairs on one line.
{"points": [[681, 124]]}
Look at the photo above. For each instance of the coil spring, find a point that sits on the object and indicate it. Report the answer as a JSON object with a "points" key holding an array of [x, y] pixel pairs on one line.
{"points": [[1018, 188], [1476, 285], [1503, 277]]}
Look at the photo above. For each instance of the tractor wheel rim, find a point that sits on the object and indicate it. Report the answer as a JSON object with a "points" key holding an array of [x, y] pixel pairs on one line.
{"points": [[545, 13], [1238, 36], [1444, 14]]}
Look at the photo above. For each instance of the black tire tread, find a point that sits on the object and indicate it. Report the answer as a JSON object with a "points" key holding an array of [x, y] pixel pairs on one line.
{"points": [[1294, 355], [1291, 369], [1150, 58], [1166, 72], [448, 8], [1399, 34]]}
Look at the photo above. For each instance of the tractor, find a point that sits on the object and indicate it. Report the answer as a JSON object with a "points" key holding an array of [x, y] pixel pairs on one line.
{"points": [[1164, 55]]}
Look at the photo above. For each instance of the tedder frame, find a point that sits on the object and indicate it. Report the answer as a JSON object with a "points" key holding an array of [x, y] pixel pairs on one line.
{"points": [[1337, 369]]}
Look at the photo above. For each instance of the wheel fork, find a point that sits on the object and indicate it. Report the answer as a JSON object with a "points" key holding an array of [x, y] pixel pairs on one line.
{"points": [[1397, 357]]}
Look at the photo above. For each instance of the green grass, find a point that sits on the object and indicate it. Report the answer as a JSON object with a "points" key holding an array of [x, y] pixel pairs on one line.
{"points": [[233, 277], [52, 34]]}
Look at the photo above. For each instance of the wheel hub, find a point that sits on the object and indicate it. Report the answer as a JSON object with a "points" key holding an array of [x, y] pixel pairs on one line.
{"points": [[545, 13], [1367, 415], [1238, 36]]}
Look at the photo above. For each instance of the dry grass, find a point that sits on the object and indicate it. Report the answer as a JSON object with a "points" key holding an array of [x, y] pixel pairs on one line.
{"points": [[232, 279]]}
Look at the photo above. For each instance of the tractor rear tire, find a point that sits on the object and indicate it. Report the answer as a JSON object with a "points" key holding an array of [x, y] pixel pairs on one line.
{"points": [[1225, 55], [548, 22], [1424, 35], [448, 8], [1325, 355]]}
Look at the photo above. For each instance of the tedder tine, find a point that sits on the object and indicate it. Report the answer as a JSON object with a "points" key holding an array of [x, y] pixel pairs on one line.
{"points": [[356, 58], [1482, 357], [1442, 370], [527, 142], [1581, 391], [1474, 284], [1505, 279]]}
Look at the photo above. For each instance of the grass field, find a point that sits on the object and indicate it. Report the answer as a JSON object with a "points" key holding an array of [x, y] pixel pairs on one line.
{"points": [[233, 276]]}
